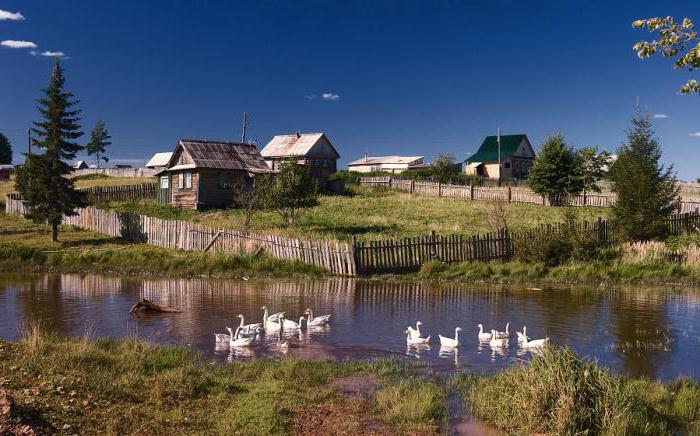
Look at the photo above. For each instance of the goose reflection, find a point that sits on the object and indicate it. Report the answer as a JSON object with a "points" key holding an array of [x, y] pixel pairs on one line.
{"points": [[415, 350], [450, 352]]}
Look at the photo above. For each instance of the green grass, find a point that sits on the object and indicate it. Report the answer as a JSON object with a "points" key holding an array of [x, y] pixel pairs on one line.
{"points": [[560, 393], [374, 214], [26, 247], [130, 386], [575, 271]]}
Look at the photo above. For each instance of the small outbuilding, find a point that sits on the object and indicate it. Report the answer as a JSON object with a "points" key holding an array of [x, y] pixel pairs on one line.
{"points": [[311, 149], [386, 164], [509, 158], [6, 171], [207, 174], [159, 160], [79, 165]]}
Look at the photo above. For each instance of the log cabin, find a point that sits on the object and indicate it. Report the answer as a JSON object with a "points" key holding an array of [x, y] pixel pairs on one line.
{"points": [[208, 174]]}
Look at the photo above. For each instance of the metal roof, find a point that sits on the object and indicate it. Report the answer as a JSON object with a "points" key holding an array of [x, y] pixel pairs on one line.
{"points": [[488, 152], [377, 160], [293, 145], [222, 155], [159, 159]]}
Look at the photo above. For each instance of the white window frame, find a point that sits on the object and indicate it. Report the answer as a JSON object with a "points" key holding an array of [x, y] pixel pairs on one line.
{"points": [[188, 180], [164, 182], [180, 180]]}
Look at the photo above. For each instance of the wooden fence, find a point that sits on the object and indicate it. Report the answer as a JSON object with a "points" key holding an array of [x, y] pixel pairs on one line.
{"points": [[506, 193], [336, 257], [117, 172], [97, 194], [409, 254]]}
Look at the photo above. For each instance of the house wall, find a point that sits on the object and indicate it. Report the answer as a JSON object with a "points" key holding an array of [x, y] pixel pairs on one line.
{"points": [[213, 194], [184, 197]]}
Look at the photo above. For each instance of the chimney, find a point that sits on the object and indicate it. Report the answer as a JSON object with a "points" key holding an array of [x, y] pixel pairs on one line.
{"points": [[298, 134], [365, 157]]}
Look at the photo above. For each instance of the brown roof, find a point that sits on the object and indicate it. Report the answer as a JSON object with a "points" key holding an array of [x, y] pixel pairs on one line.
{"points": [[222, 155]]}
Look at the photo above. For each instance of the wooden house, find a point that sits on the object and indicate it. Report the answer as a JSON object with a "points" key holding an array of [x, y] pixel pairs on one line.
{"points": [[385, 164], [516, 158], [205, 174], [79, 165], [6, 170], [311, 149]]}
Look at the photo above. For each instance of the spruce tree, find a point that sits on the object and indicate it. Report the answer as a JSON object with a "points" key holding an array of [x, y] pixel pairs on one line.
{"points": [[646, 191], [99, 140], [555, 173], [47, 192], [5, 150]]}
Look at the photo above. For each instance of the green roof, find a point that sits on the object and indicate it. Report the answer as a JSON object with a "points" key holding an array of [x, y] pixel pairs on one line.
{"points": [[488, 152]]}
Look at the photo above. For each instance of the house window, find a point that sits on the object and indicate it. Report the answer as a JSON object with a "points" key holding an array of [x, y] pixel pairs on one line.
{"points": [[184, 180], [224, 180], [164, 182], [506, 165]]}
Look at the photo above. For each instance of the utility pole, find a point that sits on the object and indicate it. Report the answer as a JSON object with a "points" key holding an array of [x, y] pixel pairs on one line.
{"points": [[245, 125]]}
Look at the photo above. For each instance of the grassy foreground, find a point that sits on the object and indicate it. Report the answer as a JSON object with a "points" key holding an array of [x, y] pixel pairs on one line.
{"points": [[374, 214], [130, 386], [26, 247], [559, 393]]}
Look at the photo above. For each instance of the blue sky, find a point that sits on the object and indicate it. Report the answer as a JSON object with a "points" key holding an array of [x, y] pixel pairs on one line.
{"points": [[400, 77]]}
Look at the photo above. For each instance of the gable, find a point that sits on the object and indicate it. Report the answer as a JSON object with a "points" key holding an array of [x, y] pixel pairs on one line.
{"points": [[323, 149], [525, 149]]}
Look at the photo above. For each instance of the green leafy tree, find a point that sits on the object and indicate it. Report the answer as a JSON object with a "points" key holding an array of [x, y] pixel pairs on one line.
{"points": [[677, 41], [555, 172], [47, 193], [289, 191], [646, 191], [99, 141], [591, 166], [5, 150]]}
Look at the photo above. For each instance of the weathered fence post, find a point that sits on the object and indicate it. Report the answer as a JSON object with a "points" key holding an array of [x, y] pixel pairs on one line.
{"points": [[510, 194], [471, 192], [439, 189], [412, 187]]}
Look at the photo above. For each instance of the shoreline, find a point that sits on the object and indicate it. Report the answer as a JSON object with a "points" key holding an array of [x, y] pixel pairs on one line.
{"points": [[67, 385]]}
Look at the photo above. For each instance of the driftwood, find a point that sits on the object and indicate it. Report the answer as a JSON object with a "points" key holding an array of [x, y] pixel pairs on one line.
{"points": [[147, 306]]}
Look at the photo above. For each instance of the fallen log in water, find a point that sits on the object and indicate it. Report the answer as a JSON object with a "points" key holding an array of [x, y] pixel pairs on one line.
{"points": [[148, 306]]}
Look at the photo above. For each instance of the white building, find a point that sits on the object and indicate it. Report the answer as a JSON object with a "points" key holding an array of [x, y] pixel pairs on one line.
{"points": [[387, 164], [159, 160]]}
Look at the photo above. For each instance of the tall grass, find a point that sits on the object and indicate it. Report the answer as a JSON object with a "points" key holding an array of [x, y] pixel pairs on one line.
{"points": [[560, 393]]}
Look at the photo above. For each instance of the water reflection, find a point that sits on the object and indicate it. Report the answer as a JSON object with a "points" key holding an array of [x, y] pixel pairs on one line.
{"points": [[635, 331]]}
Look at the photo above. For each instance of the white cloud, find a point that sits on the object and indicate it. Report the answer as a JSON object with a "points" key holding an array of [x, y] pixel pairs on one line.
{"points": [[695, 134], [309, 97], [330, 96], [17, 44], [12, 16], [55, 54], [661, 116]]}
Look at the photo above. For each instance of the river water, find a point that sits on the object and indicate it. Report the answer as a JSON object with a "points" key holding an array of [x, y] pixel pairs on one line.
{"points": [[639, 331]]}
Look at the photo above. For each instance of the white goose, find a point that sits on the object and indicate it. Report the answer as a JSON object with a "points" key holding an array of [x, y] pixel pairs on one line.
{"points": [[522, 336], [505, 334], [316, 321], [535, 343], [248, 327], [497, 342], [272, 317], [415, 341], [483, 337], [285, 324], [415, 332], [239, 341], [281, 342], [449, 342]]}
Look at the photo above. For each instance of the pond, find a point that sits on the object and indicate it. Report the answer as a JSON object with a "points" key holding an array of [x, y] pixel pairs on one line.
{"points": [[638, 331]]}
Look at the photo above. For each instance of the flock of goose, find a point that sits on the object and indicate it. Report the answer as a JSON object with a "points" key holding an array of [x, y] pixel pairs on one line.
{"points": [[246, 334], [496, 339]]}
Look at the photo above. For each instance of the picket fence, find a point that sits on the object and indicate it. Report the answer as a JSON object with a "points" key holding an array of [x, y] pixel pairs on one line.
{"points": [[409, 254], [506, 194], [118, 172], [336, 257]]}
